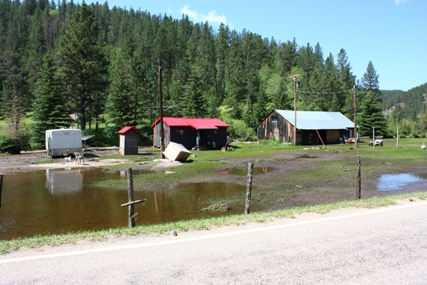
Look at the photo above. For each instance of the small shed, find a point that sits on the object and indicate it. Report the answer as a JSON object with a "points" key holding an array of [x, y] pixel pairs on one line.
{"points": [[128, 140]]}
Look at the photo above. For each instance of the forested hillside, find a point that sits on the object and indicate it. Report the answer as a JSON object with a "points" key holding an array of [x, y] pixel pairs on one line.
{"points": [[101, 65], [410, 102]]}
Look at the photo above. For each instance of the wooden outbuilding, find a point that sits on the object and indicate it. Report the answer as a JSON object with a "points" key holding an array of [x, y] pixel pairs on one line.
{"points": [[312, 127], [201, 133], [128, 140]]}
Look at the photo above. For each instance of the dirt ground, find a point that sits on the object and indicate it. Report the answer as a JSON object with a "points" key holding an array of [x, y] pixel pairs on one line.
{"points": [[36, 160]]}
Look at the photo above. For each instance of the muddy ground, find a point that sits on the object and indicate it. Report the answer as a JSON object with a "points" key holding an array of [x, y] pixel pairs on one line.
{"points": [[36, 160], [279, 188]]}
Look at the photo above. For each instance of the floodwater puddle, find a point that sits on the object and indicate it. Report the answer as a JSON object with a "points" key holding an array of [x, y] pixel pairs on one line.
{"points": [[244, 171], [395, 182], [58, 201]]}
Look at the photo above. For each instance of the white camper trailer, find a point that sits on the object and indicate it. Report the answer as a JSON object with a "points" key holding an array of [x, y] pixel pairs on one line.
{"points": [[61, 142]]}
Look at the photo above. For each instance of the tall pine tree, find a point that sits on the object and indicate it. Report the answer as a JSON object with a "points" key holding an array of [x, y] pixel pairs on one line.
{"points": [[123, 102], [82, 66], [50, 111], [372, 117]]}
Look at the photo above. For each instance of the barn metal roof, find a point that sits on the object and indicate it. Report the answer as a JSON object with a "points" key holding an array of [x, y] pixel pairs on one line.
{"points": [[195, 123], [315, 120]]}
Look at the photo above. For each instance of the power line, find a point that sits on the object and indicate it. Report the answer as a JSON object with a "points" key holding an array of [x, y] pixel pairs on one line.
{"points": [[319, 92]]}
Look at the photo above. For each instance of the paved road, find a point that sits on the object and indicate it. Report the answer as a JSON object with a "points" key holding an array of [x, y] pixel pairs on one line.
{"points": [[352, 246]]}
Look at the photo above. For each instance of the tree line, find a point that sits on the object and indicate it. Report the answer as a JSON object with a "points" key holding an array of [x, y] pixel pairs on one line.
{"points": [[94, 66], [406, 111]]}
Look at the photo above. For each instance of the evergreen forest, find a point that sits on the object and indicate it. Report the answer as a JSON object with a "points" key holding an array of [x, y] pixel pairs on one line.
{"points": [[100, 68]]}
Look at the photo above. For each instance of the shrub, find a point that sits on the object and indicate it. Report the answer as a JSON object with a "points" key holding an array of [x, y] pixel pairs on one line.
{"points": [[14, 145], [270, 142], [240, 131]]}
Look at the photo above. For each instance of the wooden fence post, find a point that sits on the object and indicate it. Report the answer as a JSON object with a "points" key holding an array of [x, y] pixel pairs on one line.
{"points": [[1, 186], [130, 198], [358, 189], [249, 188]]}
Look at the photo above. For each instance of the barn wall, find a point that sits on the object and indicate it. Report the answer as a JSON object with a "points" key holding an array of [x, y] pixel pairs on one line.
{"points": [[183, 135], [275, 127], [221, 137], [156, 135], [333, 136]]}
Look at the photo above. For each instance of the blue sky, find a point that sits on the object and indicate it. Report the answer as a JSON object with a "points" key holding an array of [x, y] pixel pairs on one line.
{"points": [[390, 33]]}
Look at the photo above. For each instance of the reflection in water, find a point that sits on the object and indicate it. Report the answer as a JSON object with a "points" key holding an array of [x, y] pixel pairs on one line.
{"points": [[392, 182], [244, 171], [66, 200], [64, 181]]}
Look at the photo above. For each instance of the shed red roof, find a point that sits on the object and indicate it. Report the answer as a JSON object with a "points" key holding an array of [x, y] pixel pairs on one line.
{"points": [[127, 129], [196, 123]]}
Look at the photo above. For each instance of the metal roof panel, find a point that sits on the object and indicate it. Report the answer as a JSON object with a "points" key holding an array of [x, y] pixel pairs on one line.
{"points": [[196, 123], [316, 120]]}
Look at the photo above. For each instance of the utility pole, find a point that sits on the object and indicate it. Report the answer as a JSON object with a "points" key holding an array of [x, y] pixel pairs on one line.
{"points": [[162, 139], [355, 136], [294, 77]]}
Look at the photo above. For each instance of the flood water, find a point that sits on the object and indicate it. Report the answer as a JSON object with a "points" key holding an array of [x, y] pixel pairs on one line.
{"points": [[244, 171], [64, 200], [395, 182]]}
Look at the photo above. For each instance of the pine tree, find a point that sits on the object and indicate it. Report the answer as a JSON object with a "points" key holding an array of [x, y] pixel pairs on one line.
{"points": [[221, 47], [123, 102], [344, 71], [288, 55], [371, 117], [369, 81], [82, 65], [50, 110], [193, 103], [206, 60], [235, 85], [36, 48]]}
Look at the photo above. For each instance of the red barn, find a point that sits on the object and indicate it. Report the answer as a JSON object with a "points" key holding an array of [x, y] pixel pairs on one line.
{"points": [[191, 132]]}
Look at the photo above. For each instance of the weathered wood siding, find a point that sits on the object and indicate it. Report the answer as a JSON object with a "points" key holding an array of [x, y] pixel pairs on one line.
{"points": [[157, 137], [129, 143], [276, 127]]}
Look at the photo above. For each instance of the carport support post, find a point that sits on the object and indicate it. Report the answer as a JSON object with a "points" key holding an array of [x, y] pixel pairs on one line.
{"points": [[358, 189], [1, 186], [130, 198], [249, 188]]}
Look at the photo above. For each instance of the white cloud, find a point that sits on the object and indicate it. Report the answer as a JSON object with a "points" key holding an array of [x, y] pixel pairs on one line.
{"points": [[398, 2], [191, 14], [211, 17]]}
